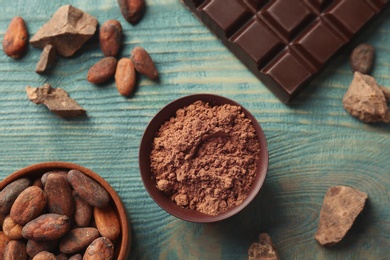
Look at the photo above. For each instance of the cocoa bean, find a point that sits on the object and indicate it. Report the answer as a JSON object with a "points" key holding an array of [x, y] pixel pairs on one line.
{"points": [[10, 192], [110, 37], [44, 255], [88, 189], [132, 10], [78, 239], [46, 227], [62, 257], [76, 257], [102, 71], [28, 205], [4, 239], [59, 195], [12, 229], [82, 212], [100, 249], [15, 250], [362, 58], [125, 77], [34, 247], [46, 174], [143, 63], [107, 222], [16, 38]]}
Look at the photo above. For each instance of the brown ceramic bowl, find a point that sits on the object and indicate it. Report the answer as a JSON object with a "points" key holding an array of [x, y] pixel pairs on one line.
{"points": [[148, 179], [35, 171]]}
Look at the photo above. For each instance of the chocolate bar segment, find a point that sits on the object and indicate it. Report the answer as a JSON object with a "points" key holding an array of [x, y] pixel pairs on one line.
{"points": [[285, 43]]}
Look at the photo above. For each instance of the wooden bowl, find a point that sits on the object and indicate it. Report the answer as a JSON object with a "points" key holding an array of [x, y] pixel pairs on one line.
{"points": [[35, 171], [149, 181]]}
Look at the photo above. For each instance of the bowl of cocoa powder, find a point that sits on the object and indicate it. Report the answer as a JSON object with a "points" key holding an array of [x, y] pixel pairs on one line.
{"points": [[63, 210], [203, 158]]}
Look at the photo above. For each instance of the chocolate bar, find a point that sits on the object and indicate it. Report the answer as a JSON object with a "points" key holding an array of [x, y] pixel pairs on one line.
{"points": [[285, 43]]}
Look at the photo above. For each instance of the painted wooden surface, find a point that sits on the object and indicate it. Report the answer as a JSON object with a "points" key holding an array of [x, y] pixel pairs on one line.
{"points": [[313, 143]]}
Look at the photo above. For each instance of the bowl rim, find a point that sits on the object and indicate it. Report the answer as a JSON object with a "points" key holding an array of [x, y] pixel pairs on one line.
{"points": [[148, 137], [42, 167]]}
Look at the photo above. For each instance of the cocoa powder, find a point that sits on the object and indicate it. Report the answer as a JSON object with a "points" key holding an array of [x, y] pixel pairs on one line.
{"points": [[205, 157]]}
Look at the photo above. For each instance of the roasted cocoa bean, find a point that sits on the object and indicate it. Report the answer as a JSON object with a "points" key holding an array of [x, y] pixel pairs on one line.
{"points": [[88, 189], [362, 58], [10, 192], [100, 249], [28, 205], [107, 222], [12, 229], [46, 227], [132, 10], [44, 255], [59, 195], [125, 77], [16, 38], [110, 38], [34, 247], [78, 239], [82, 212], [15, 250], [102, 71], [143, 63]]}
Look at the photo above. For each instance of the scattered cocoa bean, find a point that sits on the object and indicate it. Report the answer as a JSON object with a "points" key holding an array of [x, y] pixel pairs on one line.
{"points": [[46, 227], [102, 71], [4, 239], [365, 100], [16, 38], [56, 100], [362, 58], [34, 247], [28, 205], [107, 222], [88, 189], [143, 63], [264, 249], [110, 37], [59, 195], [12, 229], [125, 77], [132, 10], [47, 59], [78, 239], [15, 250], [339, 210], [10, 192], [100, 249], [44, 255], [82, 212], [67, 30]]}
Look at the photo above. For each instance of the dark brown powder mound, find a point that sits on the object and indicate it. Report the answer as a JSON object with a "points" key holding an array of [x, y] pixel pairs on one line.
{"points": [[205, 158]]}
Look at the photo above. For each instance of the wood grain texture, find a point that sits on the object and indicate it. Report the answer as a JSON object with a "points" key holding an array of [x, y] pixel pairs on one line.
{"points": [[313, 143]]}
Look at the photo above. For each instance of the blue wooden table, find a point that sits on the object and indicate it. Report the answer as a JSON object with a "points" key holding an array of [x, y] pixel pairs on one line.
{"points": [[313, 143]]}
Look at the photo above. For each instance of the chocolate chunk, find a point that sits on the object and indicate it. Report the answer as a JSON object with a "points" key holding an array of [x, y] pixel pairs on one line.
{"points": [[56, 100], [264, 249], [48, 57], [285, 43], [339, 210], [67, 30]]}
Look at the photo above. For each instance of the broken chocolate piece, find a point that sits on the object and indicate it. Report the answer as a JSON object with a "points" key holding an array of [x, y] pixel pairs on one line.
{"points": [[366, 100], [339, 210], [67, 30], [264, 249], [47, 59], [285, 43], [56, 100]]}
